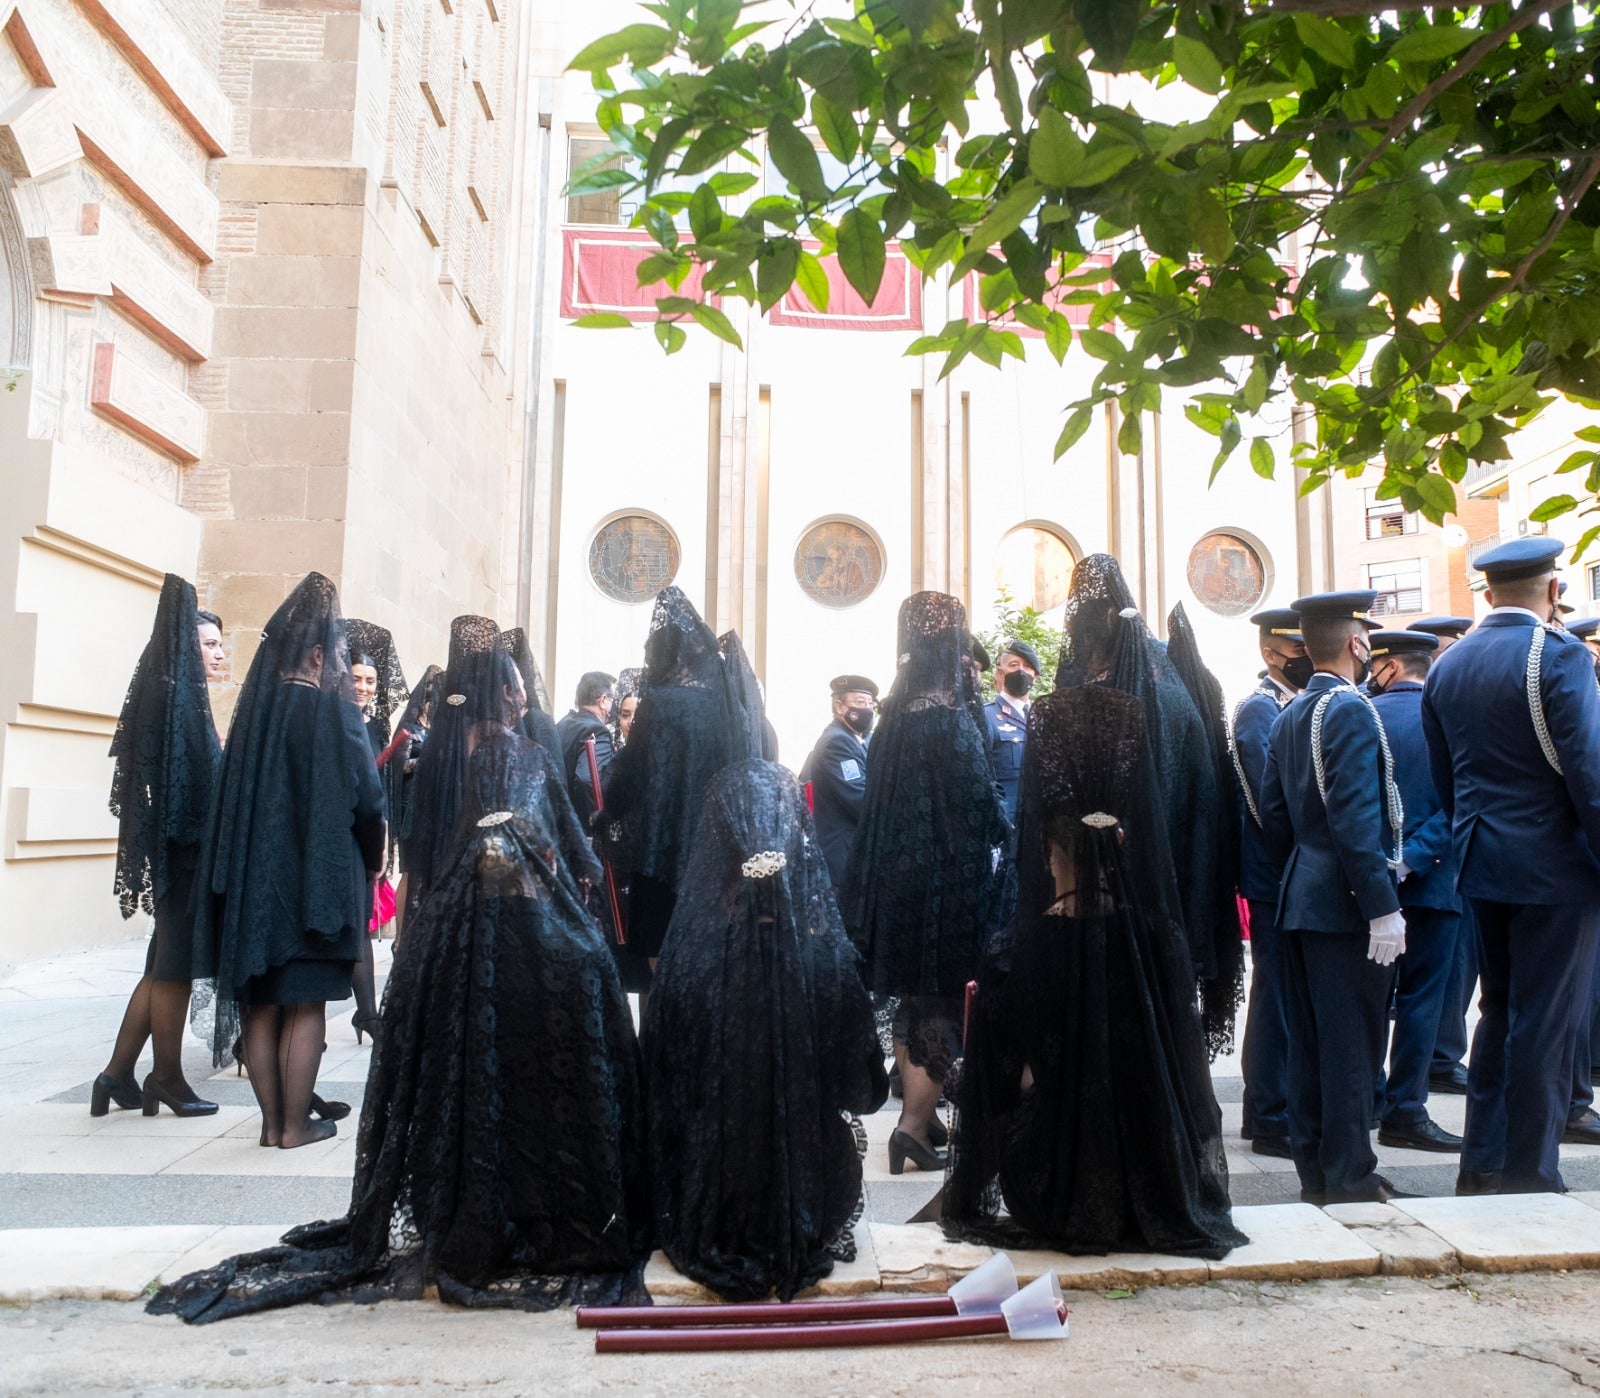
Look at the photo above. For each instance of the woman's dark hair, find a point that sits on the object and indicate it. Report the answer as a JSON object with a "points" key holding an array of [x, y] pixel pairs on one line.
{"points": [[201, 617]]}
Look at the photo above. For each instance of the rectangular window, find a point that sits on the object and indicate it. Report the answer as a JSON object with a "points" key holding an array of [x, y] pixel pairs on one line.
{"points": [[1386, 519], [605, 206], [1594, 582], [1398, 585]]}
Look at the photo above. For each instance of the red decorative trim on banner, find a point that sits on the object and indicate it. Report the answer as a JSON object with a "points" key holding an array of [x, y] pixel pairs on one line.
{"points": [[898, 305], [1076, 313], [599, 272]]}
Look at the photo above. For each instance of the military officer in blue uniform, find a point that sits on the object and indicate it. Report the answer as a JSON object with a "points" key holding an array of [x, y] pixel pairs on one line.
{"points": [[1006, 719], [1449, 1071], [1512, 718], [1264, 1059], [1427, 872], [1588, 631], [1331, 816], [837, 769], [1583, 1122]]}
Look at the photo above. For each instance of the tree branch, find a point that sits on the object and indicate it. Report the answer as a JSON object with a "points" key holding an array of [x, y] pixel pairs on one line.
{"points": [[1448, 79]]}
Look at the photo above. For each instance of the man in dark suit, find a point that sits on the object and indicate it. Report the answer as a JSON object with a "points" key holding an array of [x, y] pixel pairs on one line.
{"points": [[590, 718], [837, 770], [1448, 1073], [1264, 1060], [1512, 719], [1006, 716], [1428, 869], [1331, 816]]}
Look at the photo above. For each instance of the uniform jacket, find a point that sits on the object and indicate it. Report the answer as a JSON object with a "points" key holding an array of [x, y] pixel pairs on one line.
{"points": [[1430, 851], [1336, 875], [1252, 732], [1523, 832], [1006, 727], [837, 771]]}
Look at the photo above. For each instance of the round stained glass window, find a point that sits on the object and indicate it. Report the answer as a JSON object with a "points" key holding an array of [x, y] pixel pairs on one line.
{"points": [[633, 557], [838, 563], [1227, 574], [1034, 567]]}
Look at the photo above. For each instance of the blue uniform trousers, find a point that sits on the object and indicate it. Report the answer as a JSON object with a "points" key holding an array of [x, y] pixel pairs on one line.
{"points": [[1338, 1013], [1264, 1060], [1450, 1048], [1425, 973], [1536, 962], [1586, 1043]]}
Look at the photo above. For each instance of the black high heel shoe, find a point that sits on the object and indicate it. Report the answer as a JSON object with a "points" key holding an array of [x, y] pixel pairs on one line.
{"points": [[156, 1097], [324, 1110], [238, 1056], [938, 1133], [107, 1089], [365, 1024], [904, 1146]]}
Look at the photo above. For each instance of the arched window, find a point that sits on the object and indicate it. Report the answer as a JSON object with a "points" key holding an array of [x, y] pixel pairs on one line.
{"points": [[1228, 573], [1034, 565], [633, 557], [838, 562]]}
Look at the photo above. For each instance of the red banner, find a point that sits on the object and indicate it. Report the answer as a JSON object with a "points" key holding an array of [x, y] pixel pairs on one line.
{"points": [[898, 305], [600, 272]]}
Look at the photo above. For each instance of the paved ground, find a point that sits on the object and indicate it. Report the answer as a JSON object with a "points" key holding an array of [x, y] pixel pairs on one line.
{"points": [[1391, 1336]]}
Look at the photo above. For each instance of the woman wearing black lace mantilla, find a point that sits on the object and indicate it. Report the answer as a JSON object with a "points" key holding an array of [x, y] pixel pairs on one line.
{"points": [[921, 885], [759, 1044], [501, 1151], [166, 752], [1084, 1116], [295, 837]]}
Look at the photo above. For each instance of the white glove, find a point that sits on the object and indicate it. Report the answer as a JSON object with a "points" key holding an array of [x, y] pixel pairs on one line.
{"points": [[1386, 938], [1402, 872]]}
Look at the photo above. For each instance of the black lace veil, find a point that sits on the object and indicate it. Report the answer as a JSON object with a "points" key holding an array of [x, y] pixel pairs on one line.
{"points": [[500, 1154], [472, 704], [759, 1041], [745, 702], [244, 890], [1221, 994], [369, 639], [1107, 642], [165, 750], [630, 685], [516, 644], [1085, 1115]]}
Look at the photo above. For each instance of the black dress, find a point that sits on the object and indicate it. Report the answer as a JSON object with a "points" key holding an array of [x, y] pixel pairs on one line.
{"points": [[1085, 1119], [166, 758], [759, 1043], [501, 1150], [920, 889], [297, 829]]}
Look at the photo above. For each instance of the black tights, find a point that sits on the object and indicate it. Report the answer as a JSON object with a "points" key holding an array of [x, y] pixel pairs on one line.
{"points": [[157, 1011], [365, 983], [283, 1048]]}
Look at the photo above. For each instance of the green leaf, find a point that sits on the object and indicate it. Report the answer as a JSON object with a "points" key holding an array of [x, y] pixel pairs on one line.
{"points": [[1130, 436], [602, 320], [643, 44], [775, 272], [710, 147], [812, 280], [1058, 336], [1117, 1293], [1102, 344], [861, 253], [1208, 219], [1054, 149], [1438, 496], [1582, 546], [1262, 461], [1100, 165], [718, 324], [1326, 39], [727, 183], [1077, 425], [1197, 65], [837, 128], [1430, 43], [1552, 508], [670, 337], [1008, 215], [796, 159], [705, 213]]}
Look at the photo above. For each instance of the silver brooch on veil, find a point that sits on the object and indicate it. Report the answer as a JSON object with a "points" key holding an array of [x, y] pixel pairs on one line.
{"points": [[494, 818], [1099, 820], [765, 864], [1128, 613], [455, 701]]}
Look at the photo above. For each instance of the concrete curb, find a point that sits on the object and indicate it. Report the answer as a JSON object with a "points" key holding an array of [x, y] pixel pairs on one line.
{"points": [[1288, 1242]]}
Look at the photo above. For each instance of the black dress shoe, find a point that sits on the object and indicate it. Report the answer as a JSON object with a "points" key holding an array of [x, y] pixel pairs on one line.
{"points": [[1453, 1082], [107, 1089], [1272, 1145], [1425, 1135], [1379, 1192], [1313, 1196], [1582, 1130], [1470, 1182], [156, 1097]]}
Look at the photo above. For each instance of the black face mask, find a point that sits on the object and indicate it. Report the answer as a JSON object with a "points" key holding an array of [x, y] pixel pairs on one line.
{"points": [[1298, 670], [1374, 686], [1017, 683], [1365, 670], [860, 721]]}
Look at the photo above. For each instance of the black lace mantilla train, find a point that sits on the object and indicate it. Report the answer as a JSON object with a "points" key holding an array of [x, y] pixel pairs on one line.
{"points": [[501, 1147]]}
